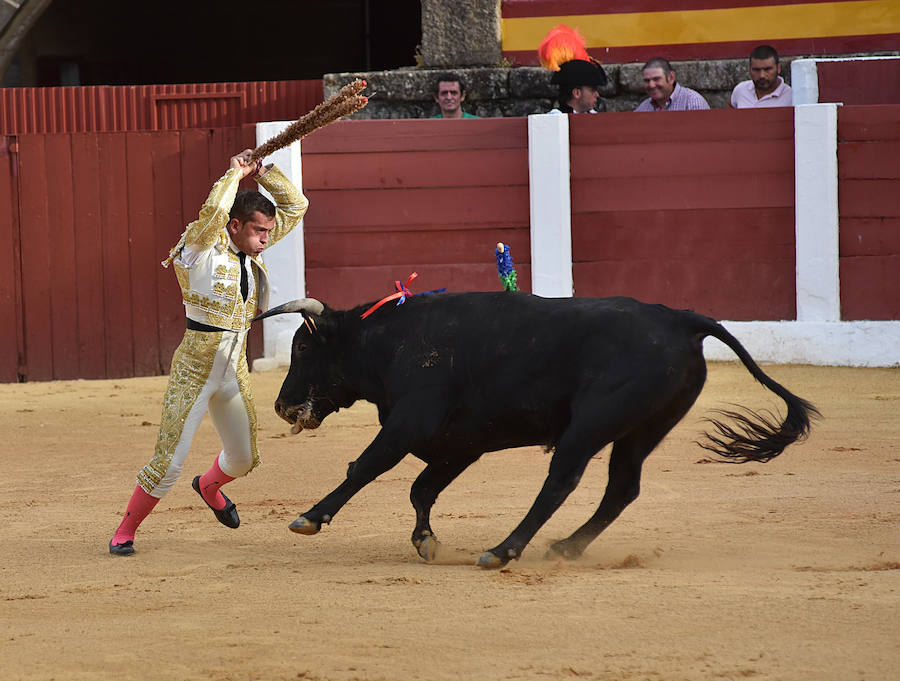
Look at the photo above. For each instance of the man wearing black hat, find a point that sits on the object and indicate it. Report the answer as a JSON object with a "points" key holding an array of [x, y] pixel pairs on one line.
{"points": [[578, 81]]}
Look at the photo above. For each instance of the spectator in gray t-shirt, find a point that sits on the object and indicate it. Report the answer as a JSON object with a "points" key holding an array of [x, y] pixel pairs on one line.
{"points": [[665, 93]]}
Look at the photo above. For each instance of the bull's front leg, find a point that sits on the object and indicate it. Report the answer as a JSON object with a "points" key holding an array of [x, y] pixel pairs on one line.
{"points": [[424, 492], [380, 456]]}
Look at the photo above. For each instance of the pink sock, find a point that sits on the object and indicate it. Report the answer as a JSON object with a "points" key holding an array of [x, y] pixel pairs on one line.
{"points": [[139, 507], [210, 482]]}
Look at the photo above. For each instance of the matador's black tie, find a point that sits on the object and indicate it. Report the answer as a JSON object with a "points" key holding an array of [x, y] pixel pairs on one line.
{"points": [[245, 285]]}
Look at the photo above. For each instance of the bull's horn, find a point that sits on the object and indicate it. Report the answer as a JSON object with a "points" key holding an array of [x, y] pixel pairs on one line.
{"points": [[310, 305]]}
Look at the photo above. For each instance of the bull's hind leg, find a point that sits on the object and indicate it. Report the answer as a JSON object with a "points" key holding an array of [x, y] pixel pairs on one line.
{"points": [[566, 467], [622, 487], [600, 419], [424, 492], [594, 424]]}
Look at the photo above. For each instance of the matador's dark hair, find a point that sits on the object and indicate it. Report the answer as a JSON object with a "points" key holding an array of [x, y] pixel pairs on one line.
{"points": [[247, 201]]}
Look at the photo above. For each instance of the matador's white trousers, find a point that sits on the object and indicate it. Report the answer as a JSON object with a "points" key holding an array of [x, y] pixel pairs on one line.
{"points": [[209, 372]]}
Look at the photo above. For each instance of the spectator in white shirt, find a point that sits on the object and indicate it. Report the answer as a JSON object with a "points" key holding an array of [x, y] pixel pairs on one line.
{"points": [[766, 88]]}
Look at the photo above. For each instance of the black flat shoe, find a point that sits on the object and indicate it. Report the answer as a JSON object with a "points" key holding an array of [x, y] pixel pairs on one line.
{"points": [[228, 516], [123, 549]]}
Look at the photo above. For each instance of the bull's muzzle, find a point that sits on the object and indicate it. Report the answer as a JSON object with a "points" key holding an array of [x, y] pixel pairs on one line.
{"points": [[300, 416]]}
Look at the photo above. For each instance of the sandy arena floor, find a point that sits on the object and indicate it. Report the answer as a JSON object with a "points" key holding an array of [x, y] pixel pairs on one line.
{"points": [[788, 570]]}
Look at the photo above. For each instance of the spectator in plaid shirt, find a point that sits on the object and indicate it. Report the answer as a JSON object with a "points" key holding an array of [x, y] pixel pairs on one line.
{"points": [[665, 93]]}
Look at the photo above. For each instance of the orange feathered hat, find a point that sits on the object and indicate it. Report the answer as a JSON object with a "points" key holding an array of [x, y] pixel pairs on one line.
{"points": [[560, 45], [563, 53]]}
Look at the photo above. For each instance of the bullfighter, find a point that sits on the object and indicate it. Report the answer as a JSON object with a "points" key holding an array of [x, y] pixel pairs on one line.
{"points": [[219, 266]]}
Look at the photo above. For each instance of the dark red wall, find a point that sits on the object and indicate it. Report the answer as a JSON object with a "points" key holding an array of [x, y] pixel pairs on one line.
{"points": [[869, 207], [690, 209], [387, 198], [869, 81], [121, 108], [93, 214]]}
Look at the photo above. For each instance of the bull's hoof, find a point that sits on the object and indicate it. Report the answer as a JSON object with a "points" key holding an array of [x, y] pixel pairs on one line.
{"points": [[563, 549], [491, 561], [304, 526], [428, 547]]}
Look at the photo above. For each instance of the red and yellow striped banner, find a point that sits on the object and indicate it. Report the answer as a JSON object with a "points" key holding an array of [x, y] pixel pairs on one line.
{"points": [[635, 30]]}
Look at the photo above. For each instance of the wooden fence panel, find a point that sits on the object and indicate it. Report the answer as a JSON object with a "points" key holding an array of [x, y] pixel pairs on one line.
{"points": [[868, 180], [689, 209], [124, 108], [388, 198], [98, 212], [142, 269], [116, 262], [88, 200], [169, 219], [37, 252], [11, 341], [63, 238]]}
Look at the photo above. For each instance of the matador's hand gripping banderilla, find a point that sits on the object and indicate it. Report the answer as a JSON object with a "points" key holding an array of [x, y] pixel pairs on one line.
{"points": [[345, 102]]}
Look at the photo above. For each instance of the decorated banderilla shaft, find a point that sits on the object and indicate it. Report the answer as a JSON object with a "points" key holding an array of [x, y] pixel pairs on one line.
{"points": [[347, 101]]}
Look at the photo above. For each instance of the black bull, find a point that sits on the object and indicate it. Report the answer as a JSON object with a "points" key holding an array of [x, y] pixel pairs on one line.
{"points": [[458, 375]]}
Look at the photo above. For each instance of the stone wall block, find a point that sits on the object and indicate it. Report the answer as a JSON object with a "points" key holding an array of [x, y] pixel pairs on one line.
{"points": [[400, 85], [484, 83], [612, 80], [525, 107], [710, 75], [631, 79], [623, 103], [459, 33], [384, 110], [531, 82]]}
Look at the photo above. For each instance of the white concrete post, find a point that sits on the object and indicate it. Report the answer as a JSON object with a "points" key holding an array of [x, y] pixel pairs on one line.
{"points": [[804, 81], [285, 261], [550, 205], [816, 213]]}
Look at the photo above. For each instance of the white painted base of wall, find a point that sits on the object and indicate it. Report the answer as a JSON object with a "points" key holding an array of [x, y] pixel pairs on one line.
{"points": [[280, 341], [855, 344]]}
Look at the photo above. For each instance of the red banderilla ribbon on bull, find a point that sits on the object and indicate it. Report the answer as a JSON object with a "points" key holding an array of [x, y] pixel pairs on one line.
{"points": [[401, 295]]}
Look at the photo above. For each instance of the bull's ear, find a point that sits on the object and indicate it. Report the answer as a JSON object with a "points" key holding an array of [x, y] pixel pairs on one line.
{"points": [[309, 305]]}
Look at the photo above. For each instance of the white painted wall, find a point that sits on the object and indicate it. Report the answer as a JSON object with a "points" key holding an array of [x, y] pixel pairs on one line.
{"points": [[550, 205], [816, 212], [855, 344], [285, 261]]}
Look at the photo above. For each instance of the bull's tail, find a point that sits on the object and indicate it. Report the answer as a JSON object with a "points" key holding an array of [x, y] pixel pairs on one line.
{"points": [[756, 436]]}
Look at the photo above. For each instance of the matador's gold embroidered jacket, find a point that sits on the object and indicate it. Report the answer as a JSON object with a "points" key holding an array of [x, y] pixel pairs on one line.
{"points": [[210, 279]]}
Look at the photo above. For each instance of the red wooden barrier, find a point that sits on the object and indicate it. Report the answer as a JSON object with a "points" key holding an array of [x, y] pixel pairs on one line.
{"points": [[11, 341], [870, 81], [388, 198], [690, 209], [869, 205], [93, 215], [104, 108]]}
